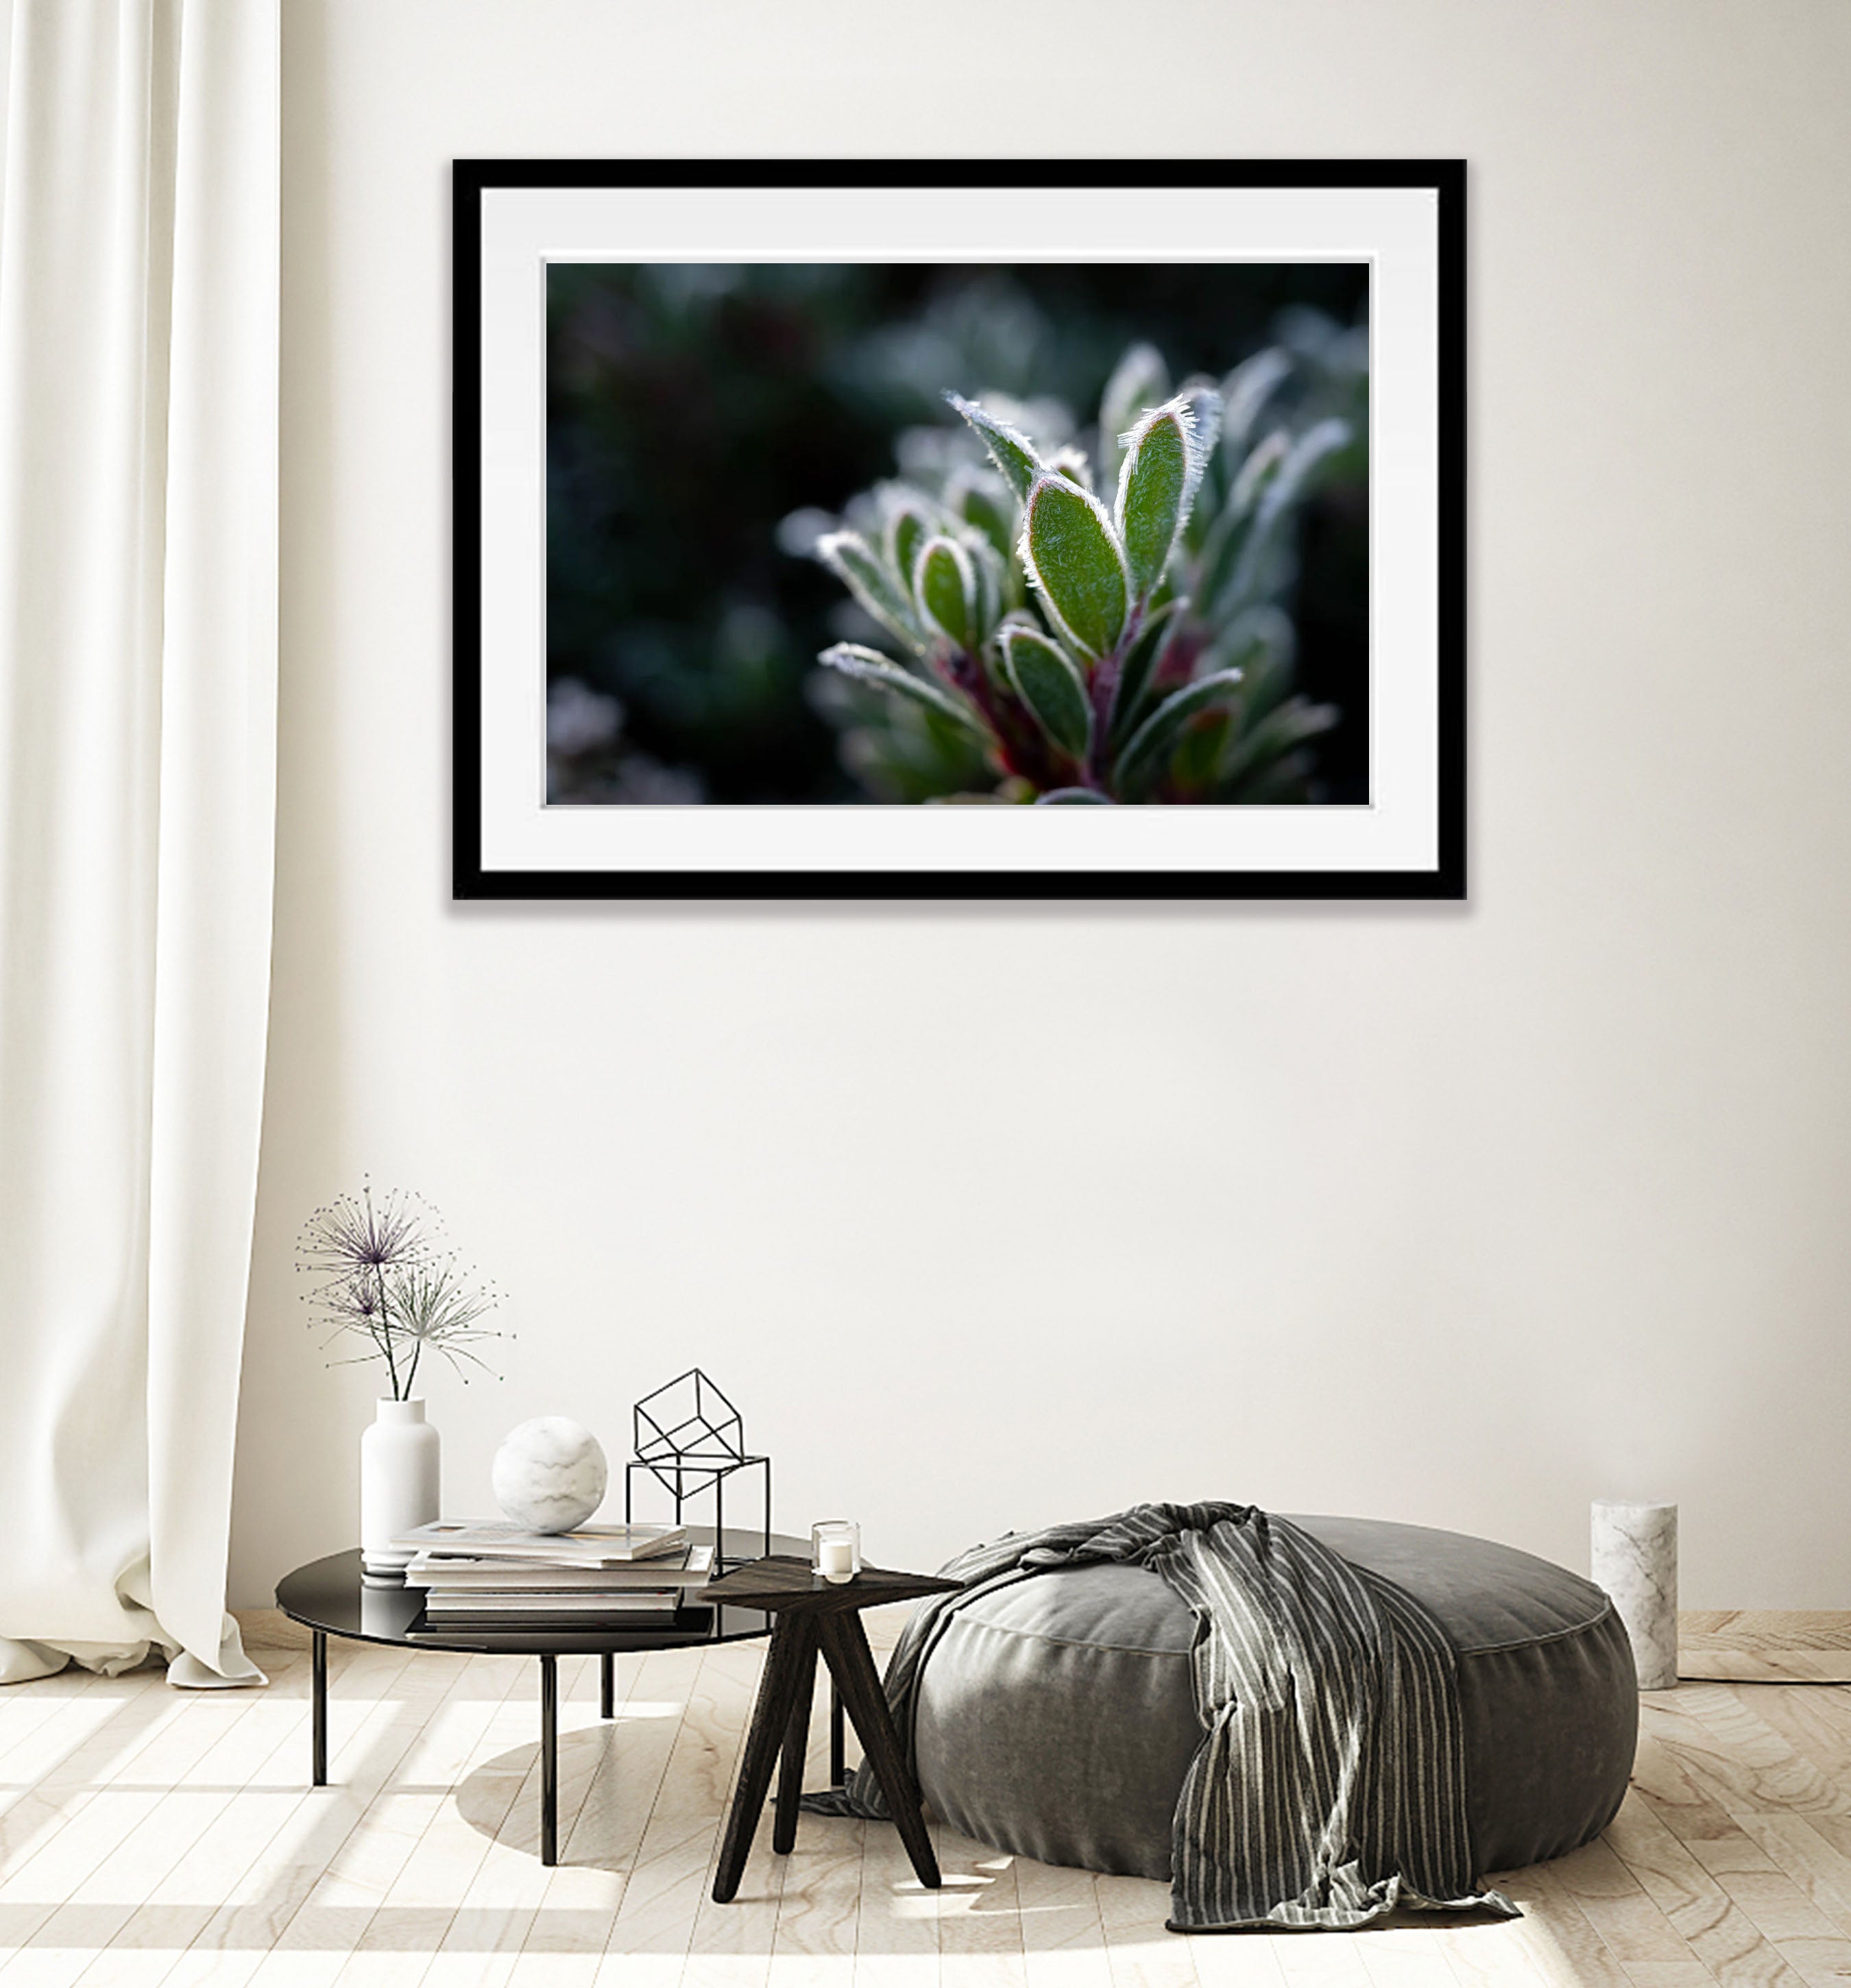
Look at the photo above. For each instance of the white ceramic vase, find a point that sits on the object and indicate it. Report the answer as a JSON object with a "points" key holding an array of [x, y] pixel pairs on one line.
{"points": [[400, 1469]]}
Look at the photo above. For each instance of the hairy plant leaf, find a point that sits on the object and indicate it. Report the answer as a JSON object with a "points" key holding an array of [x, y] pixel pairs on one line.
{"points": [[907, 753], [1246, 390], [1194, 764], [1309, 453], [1290, 726], [853, 561], [1288, 487], [1072, 463], [1260, 644], [1203, 398], [1227, 537], [1263, 463], [906, 532], [1010, 449], [1058, 796], [1281, 779], [1156, 487], [869, 666], [1073, 556], [986, 505], [1140, 661], [1139, 380], [945, 588], [992, 570], [1047, 681], [1144, 752]]}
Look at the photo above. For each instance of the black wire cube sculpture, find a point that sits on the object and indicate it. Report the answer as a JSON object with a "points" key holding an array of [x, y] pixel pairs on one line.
{"points": [[691, 1439]]}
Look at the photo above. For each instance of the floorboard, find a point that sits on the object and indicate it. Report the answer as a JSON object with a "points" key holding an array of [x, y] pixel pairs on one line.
{"points": [[158, 1839]]}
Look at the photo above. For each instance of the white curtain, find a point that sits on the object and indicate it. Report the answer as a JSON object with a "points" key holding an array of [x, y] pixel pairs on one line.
{"points": [[139, 278]]}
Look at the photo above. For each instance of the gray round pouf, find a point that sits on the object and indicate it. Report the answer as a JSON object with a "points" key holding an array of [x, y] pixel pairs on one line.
{"points": [[1056, 1716]]}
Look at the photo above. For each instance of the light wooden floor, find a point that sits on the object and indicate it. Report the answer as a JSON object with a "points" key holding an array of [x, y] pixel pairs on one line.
{"points": [[1793, 1646], [154, 1836]]}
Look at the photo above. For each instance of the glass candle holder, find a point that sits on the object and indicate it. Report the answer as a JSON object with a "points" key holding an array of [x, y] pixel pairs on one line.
{"points": [[835, 1549]]}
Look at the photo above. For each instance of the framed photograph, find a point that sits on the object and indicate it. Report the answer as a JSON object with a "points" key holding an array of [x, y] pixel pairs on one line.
{"points": [[959, 529]]}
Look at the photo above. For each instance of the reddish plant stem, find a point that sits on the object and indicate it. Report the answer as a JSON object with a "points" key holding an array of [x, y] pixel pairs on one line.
{"points": [[1106, 676], [1024, 756]]}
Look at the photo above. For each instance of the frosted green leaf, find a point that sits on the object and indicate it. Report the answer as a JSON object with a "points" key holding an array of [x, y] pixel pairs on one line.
{"points": [[1290, 726], [1261, 466], [1140, 665], [1246, 390], [1067, 796], [992, 570], [1073, 556], [1072, 463], [985, 504], [850, 557], [1046, 681], [1139, 380], [1142, 756], [869, 666], [1156, 487], [1282, 780], [1261, 644], [946, 590], [1309, 454], [1203, 398], [1010, 449], [1195, 764], [906, 530], [1289, 484], [1227, 537]]}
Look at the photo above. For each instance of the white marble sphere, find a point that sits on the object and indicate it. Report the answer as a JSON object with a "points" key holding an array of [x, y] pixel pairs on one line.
{"points": [[549, 1474]]}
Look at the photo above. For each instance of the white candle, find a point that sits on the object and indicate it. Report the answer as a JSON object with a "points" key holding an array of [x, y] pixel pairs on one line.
{"points": [[835, 1560]]}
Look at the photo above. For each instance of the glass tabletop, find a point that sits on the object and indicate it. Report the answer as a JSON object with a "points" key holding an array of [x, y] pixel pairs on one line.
{"points": [[334, 1596]]}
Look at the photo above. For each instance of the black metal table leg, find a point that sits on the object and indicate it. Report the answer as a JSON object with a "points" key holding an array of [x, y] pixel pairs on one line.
{"points": [[607, 1685], [549, 1758], [838, 1751], [318, 1713]]}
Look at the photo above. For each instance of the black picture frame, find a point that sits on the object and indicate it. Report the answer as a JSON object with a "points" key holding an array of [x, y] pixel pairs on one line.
{"points": [[1443, 877]]}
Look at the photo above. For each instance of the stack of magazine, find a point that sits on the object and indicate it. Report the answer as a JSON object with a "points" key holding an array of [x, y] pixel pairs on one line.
{"points": [[480, 1574]]}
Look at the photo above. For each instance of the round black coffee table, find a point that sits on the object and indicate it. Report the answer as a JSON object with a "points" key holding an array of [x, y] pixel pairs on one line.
{"points": [[332, 1597]]}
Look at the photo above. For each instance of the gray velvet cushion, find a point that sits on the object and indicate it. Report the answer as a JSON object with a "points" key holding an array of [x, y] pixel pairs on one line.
{"points": [[1055, 1717]]}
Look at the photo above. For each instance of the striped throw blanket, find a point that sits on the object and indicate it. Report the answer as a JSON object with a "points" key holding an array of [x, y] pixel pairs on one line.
{"points": [[1329, 1786]]}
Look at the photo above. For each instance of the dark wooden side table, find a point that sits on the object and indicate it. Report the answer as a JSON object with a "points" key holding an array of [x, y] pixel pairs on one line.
{"points": [[814, 1616]]}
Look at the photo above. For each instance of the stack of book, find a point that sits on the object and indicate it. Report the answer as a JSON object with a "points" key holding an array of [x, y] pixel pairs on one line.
{"points": [[481, 1573]]}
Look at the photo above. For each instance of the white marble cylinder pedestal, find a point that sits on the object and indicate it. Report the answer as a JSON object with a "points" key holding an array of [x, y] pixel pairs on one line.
{"points": [[1634, 1558]]}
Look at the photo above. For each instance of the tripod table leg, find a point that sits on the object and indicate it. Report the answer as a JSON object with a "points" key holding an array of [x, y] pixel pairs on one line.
{"points": [[796, 1744], [845, 1650], [771, 1720], [607, 1685]]}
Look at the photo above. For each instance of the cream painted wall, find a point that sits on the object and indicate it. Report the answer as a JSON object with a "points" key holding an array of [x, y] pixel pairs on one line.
{"points": [[990, 1217]]}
